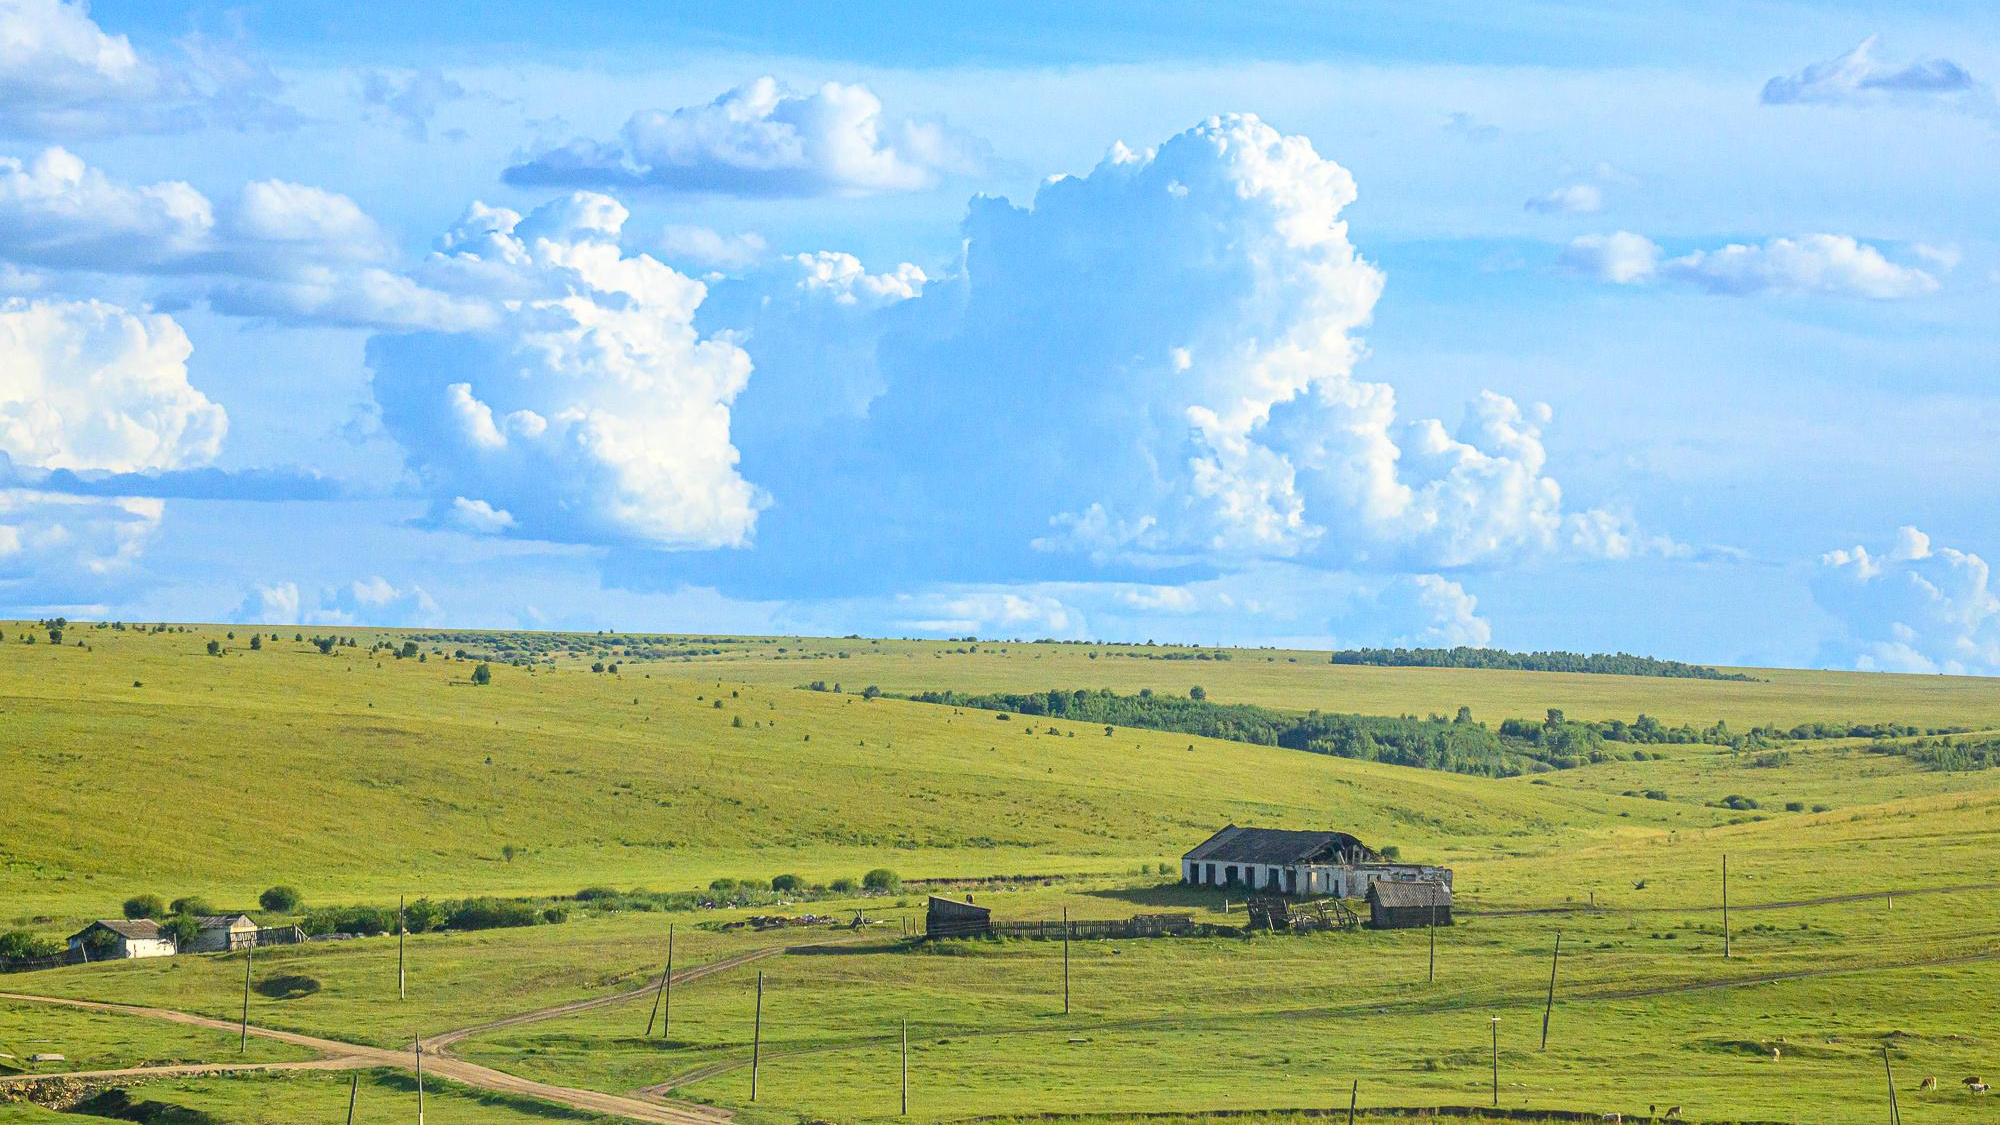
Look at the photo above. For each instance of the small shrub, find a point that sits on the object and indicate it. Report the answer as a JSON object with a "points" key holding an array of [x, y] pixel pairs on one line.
{"points": [[423, 916], [19, 944], [490, 914], [482, 674], [786, 884], [146, 906], [281, 900], [841, 886], [1795, 806], [181, 929], [881, 879]]}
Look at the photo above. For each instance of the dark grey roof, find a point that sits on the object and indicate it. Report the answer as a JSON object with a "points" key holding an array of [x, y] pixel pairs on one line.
{"points": [[1396, 895], [1277, 846], [222, 921], [132, 929]]}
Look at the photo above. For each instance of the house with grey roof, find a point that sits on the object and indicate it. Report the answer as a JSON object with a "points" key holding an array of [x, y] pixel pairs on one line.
{"points": [[1292, 862], [128, 937]]}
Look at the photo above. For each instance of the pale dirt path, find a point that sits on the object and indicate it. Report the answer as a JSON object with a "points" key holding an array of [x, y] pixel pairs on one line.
{"points": [[338, 1055]]}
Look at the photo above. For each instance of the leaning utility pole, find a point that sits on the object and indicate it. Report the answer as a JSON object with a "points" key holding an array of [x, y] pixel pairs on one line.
{"points": [[666, 978], [1550, 1008], [420, 1082], [906, 1068], [402, 935], [1496, 1063], [249, 957]]}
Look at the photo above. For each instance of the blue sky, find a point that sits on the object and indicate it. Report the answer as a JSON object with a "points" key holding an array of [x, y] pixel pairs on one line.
{"points": [[1573, 325]]}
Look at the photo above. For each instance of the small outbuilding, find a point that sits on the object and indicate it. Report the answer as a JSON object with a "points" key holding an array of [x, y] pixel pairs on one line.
{"points": [[950, 918], [129, 937], [223, 933], [1408, 906]]}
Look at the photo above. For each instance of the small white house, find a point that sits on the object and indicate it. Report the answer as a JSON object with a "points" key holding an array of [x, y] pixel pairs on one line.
{"points": [[223, 933], [131, 937]]}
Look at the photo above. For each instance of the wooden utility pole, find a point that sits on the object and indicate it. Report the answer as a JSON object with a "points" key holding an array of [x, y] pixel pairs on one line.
{"points": [[661, 994], [402, 935], [1550, 1007], [757, 1036], [1065, 960], [249, 958], [1496, 1063], [1353, 1095], [420, 1081], [1895, 1114], [906, 1068], [1434, 934], [353, 1088], [1725, 906]]}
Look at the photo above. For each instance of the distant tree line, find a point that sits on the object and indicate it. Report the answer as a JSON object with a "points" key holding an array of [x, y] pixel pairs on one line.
{"points": [[1596, 663], [1459, 744]]}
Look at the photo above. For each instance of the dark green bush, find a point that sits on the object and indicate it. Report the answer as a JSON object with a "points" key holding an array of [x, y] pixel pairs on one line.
{"points": [[281, 900], [145, 906]]}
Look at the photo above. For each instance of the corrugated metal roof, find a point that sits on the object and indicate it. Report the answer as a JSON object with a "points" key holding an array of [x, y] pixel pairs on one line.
{"points": [[1397, 895], [220, 921], [1277, 846], [131, 929]]}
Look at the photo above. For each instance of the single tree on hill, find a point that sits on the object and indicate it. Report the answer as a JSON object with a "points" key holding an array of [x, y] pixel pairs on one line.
{"points": [[145, 906]]}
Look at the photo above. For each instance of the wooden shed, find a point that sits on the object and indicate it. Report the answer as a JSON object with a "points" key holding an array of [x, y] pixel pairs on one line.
{"points": [[1407, 906], [223, 933], [950, 918]]}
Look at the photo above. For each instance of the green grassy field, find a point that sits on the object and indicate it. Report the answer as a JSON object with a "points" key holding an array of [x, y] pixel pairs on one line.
{"points": [[140, 763]]}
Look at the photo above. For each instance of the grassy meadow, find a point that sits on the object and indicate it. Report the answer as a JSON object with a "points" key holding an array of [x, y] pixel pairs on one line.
{"points": [[139, 762]]}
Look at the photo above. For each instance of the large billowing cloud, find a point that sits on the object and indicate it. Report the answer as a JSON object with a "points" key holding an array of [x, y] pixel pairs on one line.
{"points": [[1858, 78], [1155, 363], [279, 250], [761, 139], [590, 409], [63, 75], [89, 388], [1912, 608], [1834, 265]]}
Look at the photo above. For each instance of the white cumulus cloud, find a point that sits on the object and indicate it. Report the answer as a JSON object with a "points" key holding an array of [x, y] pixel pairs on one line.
{"points": [[367, 601], [1834, 265], [1914, 607], [279, 250], [89, 386], [703, 246], [762, 139], [1859, 78], [589, 409], [63, 75], [1573, 199]]}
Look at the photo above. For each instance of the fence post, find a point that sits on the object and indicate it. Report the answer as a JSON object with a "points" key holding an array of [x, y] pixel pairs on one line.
{"points": [[353, 1088], [1065, 960], [402, 935], [1725, 906]]}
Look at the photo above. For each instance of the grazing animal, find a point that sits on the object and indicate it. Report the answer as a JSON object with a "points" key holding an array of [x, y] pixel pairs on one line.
{"points": [[1776, 1053], [1614, 1118], [1977, 1087], [1929, 1082], [1674, 1112], [1975, 1080]]}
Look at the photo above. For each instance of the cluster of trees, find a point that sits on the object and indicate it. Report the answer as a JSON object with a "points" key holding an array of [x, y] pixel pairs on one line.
{"points": [[1611, 664], [426, 916], [1942, 754]]}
